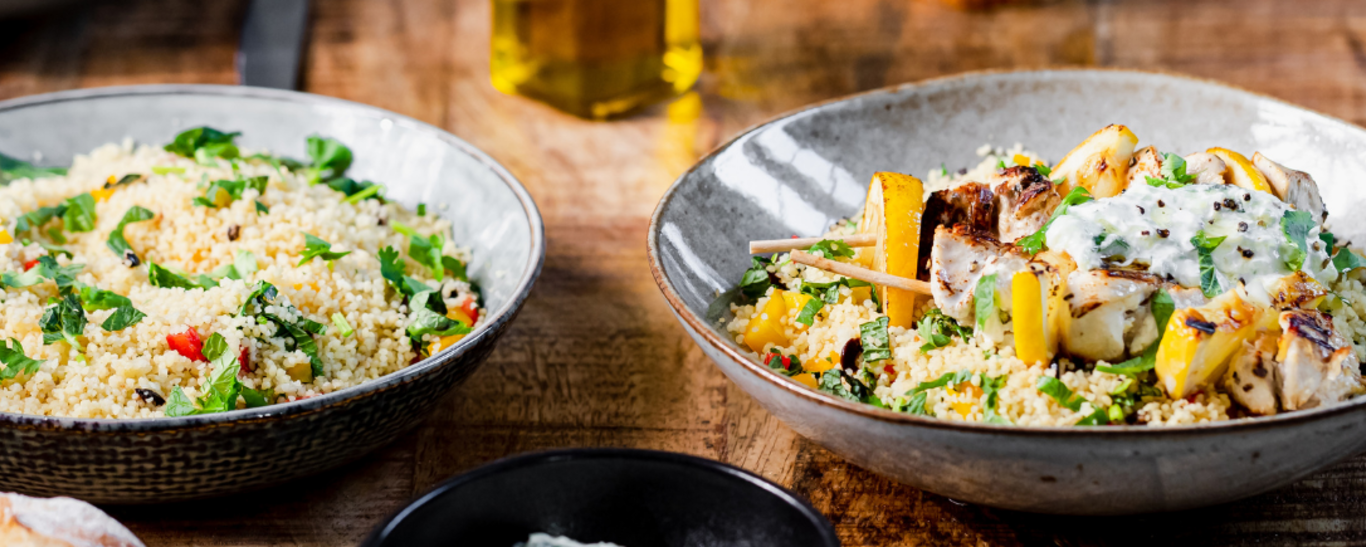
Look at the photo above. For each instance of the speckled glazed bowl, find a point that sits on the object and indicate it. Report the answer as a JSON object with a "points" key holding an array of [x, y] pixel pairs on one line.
{"points": [[167, 459], [801, 172]]}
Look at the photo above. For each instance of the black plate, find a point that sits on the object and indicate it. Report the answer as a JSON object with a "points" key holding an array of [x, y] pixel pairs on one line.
{"points": [[634, 498]]}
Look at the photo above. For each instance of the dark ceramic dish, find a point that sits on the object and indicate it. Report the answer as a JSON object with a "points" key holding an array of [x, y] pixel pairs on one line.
{"points": [[634, 498], [801, 172], [167, 459]]}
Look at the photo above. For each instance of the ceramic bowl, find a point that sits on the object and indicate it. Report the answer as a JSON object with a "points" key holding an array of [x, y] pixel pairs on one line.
{"points": [[634, 498], [167, 459], [801, 172]]}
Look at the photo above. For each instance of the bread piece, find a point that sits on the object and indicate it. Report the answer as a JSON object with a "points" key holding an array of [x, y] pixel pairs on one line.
{"points": [[59, 522]]}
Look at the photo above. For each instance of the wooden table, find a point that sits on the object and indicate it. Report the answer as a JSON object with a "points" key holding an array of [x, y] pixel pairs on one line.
{"points": [[596, 359]]}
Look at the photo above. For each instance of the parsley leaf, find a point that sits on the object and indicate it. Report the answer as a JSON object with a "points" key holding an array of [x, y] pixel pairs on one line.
{"points": [[1059, 392], [936, 329], [79, 215], [64, 320], [204, 143], [330, 157], [12, 169], [159, 276], [1043, 169], [15, 361], [984, 299], [353, 188], [809, 311], [123, 317], [298, 334], [1296, 226], [428, 316], [756, 281], [992, 387], [832, 249], [427, 252], [392, 268], [1172, 174], [876, 342], [1035, 242], [93, 299], [316, 247], [118, 243], [1204, 246], [1347, 260]]}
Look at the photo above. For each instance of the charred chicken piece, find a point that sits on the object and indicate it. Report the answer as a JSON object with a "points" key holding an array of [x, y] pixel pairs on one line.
{"points": [[1025, 200], [960, 257], [1251, 377], [1109, 316], [1317, 366], [1296, 188], [972, 204]]}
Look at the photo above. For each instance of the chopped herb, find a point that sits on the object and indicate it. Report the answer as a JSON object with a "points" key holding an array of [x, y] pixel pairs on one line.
{"points": [[118, 243], [124, 180], [37, 218], [1043, 169], [222, 388], [428, 316], [455, 268], [204, 143], [316, 247], [809, 311], [46, 269], [1296, 226], [298, 334], [93, 299], [179, 404], [948, 379], [12, 169], [755, 282], [1111, 245], [876, 342], [364, 194], [352, 188], [257, 397], [984, 299], [261, 208], [832, 248], [992, 387], [422, 209], [52, 250], [1000, 164], [1098, 417], [159, 276], [15, 361], [222, 192], [79, 215], [1034, 243], [343, 327], [1204, 247], [427, 252], [1059, 392], [936, 329], [64, 320], [124, 316], [1347, 260], [330, 157], [841, 384], [787, 365], [1173, 173], [392, 268]]}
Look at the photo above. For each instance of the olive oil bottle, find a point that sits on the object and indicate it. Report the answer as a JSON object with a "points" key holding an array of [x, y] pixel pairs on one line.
{"points": [[595, 58]]}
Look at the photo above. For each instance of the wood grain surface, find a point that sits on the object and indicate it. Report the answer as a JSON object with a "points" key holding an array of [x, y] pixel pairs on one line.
{"points": [[596, 359]]}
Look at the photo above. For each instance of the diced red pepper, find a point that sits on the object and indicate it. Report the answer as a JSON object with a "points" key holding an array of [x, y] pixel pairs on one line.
{"points": [[30, 264], [787, 362], [890, 370], [1191, 398], [470, 309], [187, 344], [244, 358]]}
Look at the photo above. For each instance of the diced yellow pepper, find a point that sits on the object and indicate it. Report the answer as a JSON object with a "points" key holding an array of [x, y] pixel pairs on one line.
{"points": [[806, 380], [1241, 172], [1198, 342], [310, 284], [1021, 159], [766, 326], [795, 301], [1100, 163], [859, 295], [1028, 312], [102, 194], [457, 314], [893, 212], [963, 399], [302, 372], [444, 342], [5, 238]]}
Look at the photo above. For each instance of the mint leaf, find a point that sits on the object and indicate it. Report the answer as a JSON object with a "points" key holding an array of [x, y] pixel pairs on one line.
{"points": [[123, 317], [756, 281], [1204, 247], [212, 142], [1296, 225], [316, 247], [64, 320], [1035, 242], [79, 215], [936, 329], [1059, 392], [984, 299], [876, 342], [809, 311], [118, 243], [15, 361]]}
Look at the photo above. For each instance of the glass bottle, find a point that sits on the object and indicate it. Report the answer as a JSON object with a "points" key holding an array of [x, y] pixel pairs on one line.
{"points": [[595, 58]]}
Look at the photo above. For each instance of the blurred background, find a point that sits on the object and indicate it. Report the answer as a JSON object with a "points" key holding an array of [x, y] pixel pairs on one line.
{"points": [[595, 359]]}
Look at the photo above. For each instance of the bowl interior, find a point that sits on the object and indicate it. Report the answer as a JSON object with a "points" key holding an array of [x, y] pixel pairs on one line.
{"points": [[488, 210], [799, 174], [630, 497]]}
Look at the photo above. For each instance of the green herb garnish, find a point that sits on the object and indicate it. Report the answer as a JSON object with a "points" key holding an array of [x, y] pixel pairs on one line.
{"points": [[1204, 247], [428, 316], [160, 276], [93, 299], [832, 248], [841, 384], [204, 143], [876, 341], [15, 361], [984, 299], [1058, 391], [118, 243], [991, 387], [124, 316], [1296, 226], [316, 247], [12, 169], [809, 311], [79, 213], [1173, 173], [755, 282], [1035, 242], [64, 320], [222, 192], [330, 157], [392, 268], [937, 330]]}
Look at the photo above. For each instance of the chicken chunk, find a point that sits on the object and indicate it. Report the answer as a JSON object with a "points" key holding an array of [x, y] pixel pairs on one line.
{"points": [[959, 258], [1251, 380], [1207, 168], [1296, 188], [1108, 309], [1316, 365], [1146, 163], [1025, 200], [971, 203]]}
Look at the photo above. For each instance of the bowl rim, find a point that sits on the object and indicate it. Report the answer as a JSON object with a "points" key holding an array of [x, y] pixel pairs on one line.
{"points": [[531, 459], [700, 326], [499, 318]]}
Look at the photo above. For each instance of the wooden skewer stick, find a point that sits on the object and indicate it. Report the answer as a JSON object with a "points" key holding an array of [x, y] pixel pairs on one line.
{"points": [[784, 245], [862, 274]]}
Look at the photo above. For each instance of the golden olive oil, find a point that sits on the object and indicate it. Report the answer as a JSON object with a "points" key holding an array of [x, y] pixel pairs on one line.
{"points": [[595, 58]]}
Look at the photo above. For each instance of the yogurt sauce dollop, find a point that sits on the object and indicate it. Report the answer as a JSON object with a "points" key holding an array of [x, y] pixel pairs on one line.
{"points": [[1153, 225]]}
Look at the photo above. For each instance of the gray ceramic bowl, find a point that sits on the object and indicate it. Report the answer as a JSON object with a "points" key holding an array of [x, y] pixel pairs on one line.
{"points": [[799, 173], [167, 459]]}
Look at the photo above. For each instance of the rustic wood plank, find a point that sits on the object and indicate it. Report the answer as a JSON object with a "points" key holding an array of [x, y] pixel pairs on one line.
{"points": [[596, 359]]}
